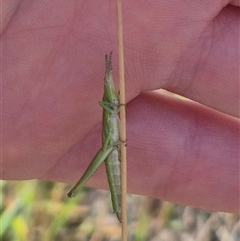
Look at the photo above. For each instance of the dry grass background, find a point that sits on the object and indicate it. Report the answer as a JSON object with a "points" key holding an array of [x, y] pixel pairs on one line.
{"points": [[37, 211]]}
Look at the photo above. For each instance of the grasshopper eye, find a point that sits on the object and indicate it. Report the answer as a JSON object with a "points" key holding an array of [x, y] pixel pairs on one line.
{"points": [[115, 101], [106, 81]]}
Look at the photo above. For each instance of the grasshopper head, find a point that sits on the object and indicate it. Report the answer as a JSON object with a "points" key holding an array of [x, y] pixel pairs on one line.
{"points": [[110, 92]]}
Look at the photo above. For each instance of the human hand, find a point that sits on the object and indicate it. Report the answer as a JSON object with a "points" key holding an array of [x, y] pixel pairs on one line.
{"points": [[178, 150]]}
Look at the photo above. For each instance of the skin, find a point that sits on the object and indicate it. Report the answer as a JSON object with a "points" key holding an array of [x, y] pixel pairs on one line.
{"points": [[178, 150]]}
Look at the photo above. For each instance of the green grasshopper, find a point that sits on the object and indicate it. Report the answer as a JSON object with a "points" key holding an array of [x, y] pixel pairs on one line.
{"points": [[110, 143]]}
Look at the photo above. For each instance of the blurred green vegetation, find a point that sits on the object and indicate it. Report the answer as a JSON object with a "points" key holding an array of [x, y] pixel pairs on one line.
{"points": [[40, 211]]}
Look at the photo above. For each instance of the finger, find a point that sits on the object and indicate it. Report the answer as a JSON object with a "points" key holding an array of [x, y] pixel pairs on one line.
{"points": [[196, 56], [183, 152]]}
